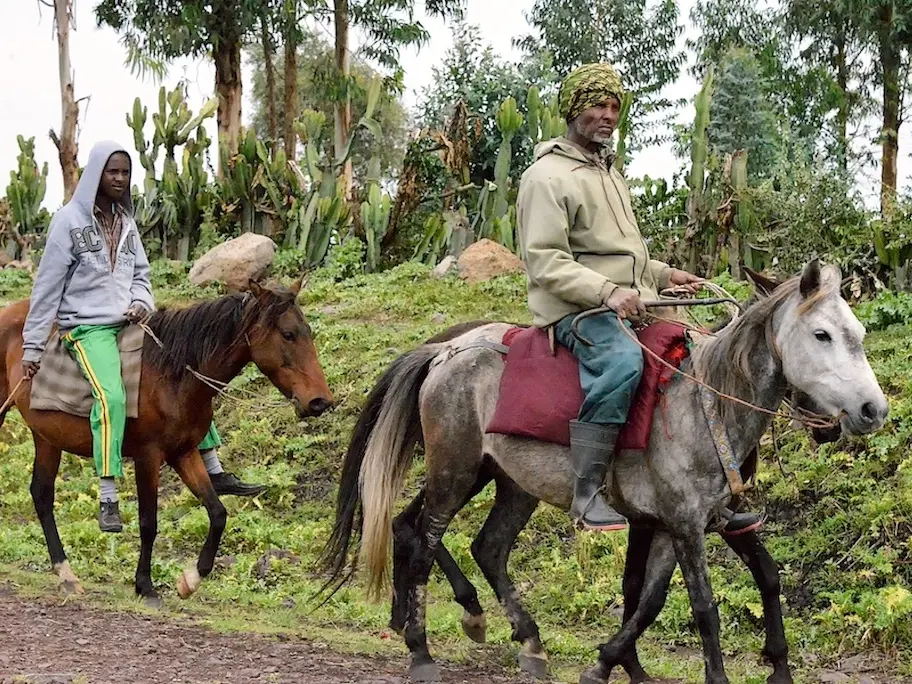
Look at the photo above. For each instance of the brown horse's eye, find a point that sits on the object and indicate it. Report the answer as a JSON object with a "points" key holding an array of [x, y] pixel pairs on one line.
{"points": [[288, 335]]}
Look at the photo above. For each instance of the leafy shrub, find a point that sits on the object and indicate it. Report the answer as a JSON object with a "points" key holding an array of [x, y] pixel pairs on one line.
{"points": [[886, 309]]}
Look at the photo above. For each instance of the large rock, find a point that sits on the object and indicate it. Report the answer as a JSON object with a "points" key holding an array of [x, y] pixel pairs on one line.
{"points": [[485, 260], [235, 262]]}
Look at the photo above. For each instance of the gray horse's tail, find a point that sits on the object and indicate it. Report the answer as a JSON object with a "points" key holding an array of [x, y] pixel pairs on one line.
{"points": [[376, 465]]}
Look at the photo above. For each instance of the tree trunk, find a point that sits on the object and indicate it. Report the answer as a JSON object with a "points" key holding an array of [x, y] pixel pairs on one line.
{"points": [[842, 115], [291, 89], [890, 62], [227, 58], [268, 54], [342, 109], [67, 146]]}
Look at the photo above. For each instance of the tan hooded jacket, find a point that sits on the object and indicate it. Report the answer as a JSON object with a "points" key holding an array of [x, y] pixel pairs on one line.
{"points": [[578, 235]]}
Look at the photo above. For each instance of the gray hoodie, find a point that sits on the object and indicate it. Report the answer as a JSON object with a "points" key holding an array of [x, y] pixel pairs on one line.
{"points": [[75, 284]]}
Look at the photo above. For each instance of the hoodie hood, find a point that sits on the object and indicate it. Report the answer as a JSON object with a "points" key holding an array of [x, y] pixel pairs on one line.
{"points": [[563, 147], [87, 188]]}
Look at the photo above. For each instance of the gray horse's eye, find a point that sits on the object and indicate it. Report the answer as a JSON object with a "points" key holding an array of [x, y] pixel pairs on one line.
{"points": [[823, 336]]}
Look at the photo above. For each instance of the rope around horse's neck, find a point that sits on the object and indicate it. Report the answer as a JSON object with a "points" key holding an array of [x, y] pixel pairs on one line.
{"points": [[219, 387], [814, 420]]}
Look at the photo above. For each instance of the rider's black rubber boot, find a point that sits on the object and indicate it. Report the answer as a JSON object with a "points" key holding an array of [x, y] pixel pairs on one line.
{"points": [[591, 451], [109, 517], [226, 483]]}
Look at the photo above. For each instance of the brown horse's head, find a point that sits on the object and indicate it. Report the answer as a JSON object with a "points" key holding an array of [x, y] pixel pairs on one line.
{"points": [[282, 347]]}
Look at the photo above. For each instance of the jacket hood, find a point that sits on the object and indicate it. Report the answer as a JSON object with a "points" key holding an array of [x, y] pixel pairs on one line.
{"points": [[87, 188], [565, 148]]}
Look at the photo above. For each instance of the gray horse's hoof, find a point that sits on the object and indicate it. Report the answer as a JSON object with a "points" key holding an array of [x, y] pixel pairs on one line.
{"points": [[594, 675], [425, 672], [780, 678], [537, 667], [475, 627]]}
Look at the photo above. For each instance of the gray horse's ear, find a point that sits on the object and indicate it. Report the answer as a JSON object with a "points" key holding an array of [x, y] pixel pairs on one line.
{"points": [[810, 278], [765, 286]]}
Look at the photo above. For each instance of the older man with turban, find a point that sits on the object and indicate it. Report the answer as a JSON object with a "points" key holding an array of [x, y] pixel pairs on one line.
{"points": [[583, 249]]}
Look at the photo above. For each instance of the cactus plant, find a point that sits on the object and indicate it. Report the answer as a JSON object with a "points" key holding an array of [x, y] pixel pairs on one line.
{"points": [[25, 193], [495, 216], [699, 152], [375, 215], [623, 129]]}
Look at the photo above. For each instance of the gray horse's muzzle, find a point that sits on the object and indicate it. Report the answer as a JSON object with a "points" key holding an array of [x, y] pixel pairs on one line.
{"points": [[868, 417]]}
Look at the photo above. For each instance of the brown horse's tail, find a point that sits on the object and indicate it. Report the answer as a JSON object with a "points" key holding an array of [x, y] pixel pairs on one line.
{"points": [[375, 468]]}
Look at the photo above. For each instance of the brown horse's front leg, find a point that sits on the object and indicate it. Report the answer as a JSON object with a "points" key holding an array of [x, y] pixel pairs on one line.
{"points": [[192, 471], [147, 463]]}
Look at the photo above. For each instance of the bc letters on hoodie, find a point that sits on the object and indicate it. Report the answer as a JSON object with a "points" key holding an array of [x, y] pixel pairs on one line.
{"points": [[75, 284]]}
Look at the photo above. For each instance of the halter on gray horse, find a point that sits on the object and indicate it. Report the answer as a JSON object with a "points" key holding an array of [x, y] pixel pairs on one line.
{"points": [[803, 337]]}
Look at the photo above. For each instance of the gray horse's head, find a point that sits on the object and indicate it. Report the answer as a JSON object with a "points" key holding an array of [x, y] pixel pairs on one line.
{"points": [[819, 342]]}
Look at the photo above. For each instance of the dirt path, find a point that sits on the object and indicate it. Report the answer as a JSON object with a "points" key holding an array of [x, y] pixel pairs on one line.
{"points": [[46, 643]]}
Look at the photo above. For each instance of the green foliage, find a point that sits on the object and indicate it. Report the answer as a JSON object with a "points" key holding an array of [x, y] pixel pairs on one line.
{"points": [[741, 117], [473, 74], [314, 92], [885, 309], [638, 38]]}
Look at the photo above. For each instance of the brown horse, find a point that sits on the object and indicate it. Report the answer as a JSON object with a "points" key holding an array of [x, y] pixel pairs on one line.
{"points": [[216, 339]]}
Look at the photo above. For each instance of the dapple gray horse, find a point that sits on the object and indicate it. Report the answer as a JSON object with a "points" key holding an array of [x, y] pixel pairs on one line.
{"points": [[803, 337]]}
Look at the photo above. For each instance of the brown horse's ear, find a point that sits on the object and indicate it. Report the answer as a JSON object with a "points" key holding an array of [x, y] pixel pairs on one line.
{"points": [[765, 286], [299, 285], [810, 278], [255, 288]]}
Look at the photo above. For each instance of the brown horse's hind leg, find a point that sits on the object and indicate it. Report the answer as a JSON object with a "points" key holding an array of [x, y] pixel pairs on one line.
{"points": [[766, 574], [192, 471], [491, 549], [44, 475], [147, 465]]}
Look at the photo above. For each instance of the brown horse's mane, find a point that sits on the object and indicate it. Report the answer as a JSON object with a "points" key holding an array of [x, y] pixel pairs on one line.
{"points": [[193, 336]]}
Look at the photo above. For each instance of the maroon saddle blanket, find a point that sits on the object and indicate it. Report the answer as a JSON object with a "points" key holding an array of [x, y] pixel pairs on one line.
{"points": [[540, 392]]}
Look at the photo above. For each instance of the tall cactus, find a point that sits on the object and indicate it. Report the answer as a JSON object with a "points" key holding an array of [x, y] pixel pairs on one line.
{"points": [[496, 221], [375, 215], [544, 120], [25, 193], [699, 153]]}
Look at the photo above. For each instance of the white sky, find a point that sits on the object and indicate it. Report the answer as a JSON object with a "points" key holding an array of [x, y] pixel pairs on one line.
{"points": [[29, 88]]}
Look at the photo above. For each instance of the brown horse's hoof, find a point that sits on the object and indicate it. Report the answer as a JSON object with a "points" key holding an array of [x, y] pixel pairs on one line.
{"points": [[594, 675], [425, 672], [67, 582], [188, 582], [475, 627]]}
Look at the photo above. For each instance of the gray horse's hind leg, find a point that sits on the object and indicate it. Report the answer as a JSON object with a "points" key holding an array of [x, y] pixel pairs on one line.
{"points": [[473, 619], [491, 549], [659, 568], [766, 574], [690, 549]]}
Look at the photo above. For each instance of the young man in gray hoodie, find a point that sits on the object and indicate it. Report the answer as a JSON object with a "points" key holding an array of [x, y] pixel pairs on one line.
{"points": [[92, 280]]}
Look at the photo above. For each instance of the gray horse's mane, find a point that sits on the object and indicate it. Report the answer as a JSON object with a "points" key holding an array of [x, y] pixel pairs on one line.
{"points": [[727, 362]]}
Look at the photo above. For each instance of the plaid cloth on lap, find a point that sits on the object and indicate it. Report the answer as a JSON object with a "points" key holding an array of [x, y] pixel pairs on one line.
{"points": [[60, 386]]}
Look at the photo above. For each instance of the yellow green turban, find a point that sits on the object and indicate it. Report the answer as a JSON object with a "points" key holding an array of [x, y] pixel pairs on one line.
{"points": [[588, 86]]}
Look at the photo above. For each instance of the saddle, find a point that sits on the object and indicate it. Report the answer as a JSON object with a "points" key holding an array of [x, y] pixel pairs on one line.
{"points": [[540, 391], [60, 385]]}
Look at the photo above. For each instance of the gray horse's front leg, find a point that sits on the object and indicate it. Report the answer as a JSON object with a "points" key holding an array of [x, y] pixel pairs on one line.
{"points": [[639, 542], [751, 550], [690, 548], [615, 652]]}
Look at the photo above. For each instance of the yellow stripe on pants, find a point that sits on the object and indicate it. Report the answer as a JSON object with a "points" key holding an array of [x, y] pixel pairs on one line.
{"points": [[95, 349]]}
